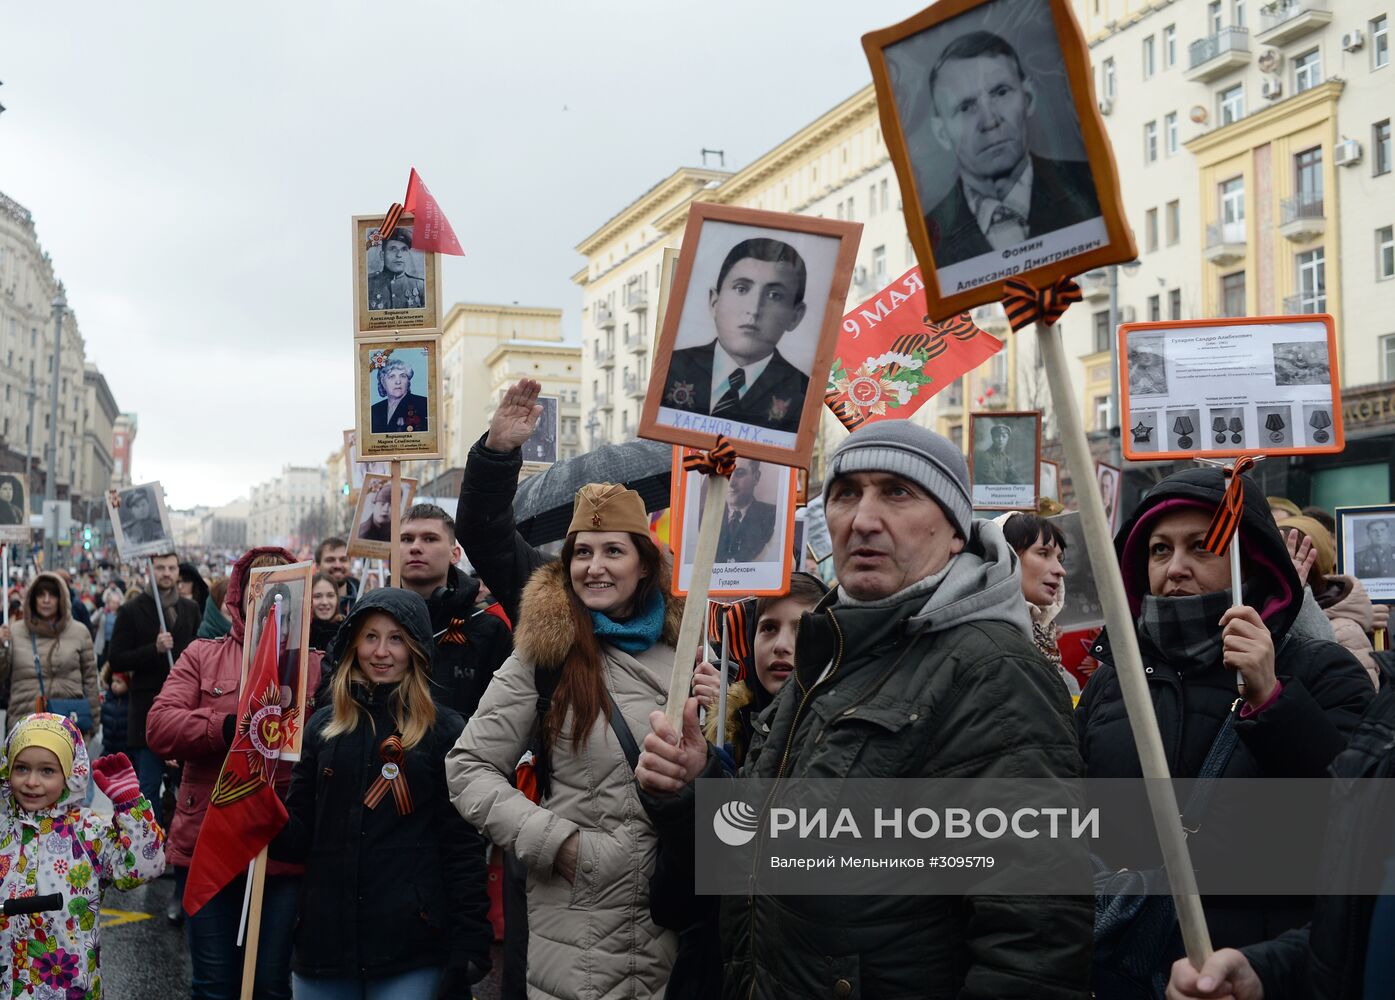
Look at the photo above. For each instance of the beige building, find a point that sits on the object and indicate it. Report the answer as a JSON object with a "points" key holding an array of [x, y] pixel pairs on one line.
{"points": [[225, 527], [86, 408], [290, 509]]}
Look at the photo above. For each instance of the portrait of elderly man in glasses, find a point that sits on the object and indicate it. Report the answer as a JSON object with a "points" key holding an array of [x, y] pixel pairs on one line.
{"points": [[400, 410]]}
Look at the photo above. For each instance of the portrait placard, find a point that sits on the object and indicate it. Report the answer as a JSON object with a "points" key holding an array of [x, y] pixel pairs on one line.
{"points": [[1050, 479], [1005, 459], [1366, 548], [541, 446], [667, 269], [1083, 608], [292, 584], [991, 121], [356, 468], [370, 534], [749, 334], [14, 509], [754, 550], [399, 397], [396, 288], [140, 524], [1216, 388], [1111, 483]]}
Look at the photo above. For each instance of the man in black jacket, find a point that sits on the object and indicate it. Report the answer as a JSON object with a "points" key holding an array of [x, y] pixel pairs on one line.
{"points": [[470, 644], [141, 650]]}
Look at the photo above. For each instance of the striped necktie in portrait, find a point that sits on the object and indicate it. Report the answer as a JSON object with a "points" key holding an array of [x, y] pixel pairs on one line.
{"points": [[733, 394]]}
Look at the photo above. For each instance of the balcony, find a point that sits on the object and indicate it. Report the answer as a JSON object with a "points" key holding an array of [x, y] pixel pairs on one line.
{"points": [[605, 359], [1225, 242], [637, 300], [1304, 305], [1094, 285], [605, 319], [1218, 54], [991, 319], [604, 402], [1301, 217], [635, 387], [1282, 21], [637, 342]]}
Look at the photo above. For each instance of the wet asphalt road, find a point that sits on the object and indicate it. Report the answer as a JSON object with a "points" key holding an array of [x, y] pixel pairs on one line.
{"points": [[144, 958]]}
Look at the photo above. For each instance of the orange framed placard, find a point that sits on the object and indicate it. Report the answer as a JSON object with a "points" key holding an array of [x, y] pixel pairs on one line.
{"points": [[755, 550], [1005, 459], [990, 117], [292, 584], [1220, 388], [749, 332]]}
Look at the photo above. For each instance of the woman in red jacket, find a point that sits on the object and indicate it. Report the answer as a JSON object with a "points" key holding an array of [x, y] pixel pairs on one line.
{"points": [[192, 721]]}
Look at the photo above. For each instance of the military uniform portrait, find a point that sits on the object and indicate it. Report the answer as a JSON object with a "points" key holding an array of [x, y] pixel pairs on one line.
{"points": [[990, 146], [395, 285], [1005, 459], [140, 523], [371, 535], [1366, 548], [742, 355]]}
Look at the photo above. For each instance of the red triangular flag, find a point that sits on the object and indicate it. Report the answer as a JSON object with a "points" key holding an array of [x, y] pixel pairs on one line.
{"points": [[244, 813], [433, 232], [891, 358]]}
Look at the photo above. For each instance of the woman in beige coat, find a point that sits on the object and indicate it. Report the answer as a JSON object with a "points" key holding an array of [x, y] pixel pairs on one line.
{"points": [[63, 648], [602, 617]]}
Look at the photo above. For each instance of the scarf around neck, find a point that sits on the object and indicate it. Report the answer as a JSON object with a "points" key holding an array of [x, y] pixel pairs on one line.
{"points": [[634, 635], [169, 601], [1185, 631]]}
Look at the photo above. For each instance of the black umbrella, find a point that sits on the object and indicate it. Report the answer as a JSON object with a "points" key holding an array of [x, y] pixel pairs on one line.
{"points": [[543, 504]]}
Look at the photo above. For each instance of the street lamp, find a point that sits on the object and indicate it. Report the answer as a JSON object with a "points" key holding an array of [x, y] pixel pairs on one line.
{"points": [[60, 303]]}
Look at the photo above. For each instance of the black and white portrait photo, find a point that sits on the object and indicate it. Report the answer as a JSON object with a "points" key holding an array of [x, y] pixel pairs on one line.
{"points": [[371, 535], [1005, 459], [749, 333], [996, 149], [1147, 366], [1111, 482], [541, 446], [1366, 548], [139, 521], [399, 391], [394, 283], [12, 501]]}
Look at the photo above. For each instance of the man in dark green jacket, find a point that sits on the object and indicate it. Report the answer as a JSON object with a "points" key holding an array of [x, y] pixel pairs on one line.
{"points": [[920, 665]]}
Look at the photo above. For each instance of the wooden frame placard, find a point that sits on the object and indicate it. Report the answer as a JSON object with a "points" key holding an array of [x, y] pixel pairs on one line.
{"points": [[1061, 218], [396, 289], [413, 427], [1005, 465], [369, 535], [1361, 554], [293, 583], [1220, 388], [140, 522], [723, 275], [769, 521]]}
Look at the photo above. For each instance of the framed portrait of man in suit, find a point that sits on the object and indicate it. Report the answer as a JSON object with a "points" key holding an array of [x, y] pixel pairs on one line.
{"points": [[749, 332], [140, 524], [754, 549], [991, 121], [1366, 548], [399, 397], [395, 285]]}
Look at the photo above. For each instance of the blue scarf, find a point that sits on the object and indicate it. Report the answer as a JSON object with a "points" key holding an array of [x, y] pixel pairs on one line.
{"points": [[633, 635]]}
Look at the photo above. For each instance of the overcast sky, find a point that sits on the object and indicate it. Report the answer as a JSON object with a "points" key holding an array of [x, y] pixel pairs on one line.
{"points": [[192, 169]]}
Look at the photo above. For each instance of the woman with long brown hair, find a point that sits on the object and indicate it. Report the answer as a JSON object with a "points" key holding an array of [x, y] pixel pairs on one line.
{"points": [[596, 630]]}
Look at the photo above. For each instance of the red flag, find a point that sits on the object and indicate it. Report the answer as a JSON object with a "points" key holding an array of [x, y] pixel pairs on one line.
{"points": [[244, 813], [432, 232], [891, 358]]}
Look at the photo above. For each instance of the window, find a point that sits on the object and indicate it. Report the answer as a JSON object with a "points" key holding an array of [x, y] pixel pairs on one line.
{"points": [[1149, 57], [1169, 46], [1154, 308], [1307, 167], [1170, 143], [1172, 223], [879, 266], [1101, 414], [886, 200], [1387, 356], [1307, 70], [840, 210], [1232, 104], [1380, 148], [1233, 294], [1233, 210], [1312, 281], [851, 212], [1150, 229], [1385, 260], [871, 201], [1109, 78], [1150, 142], [1174, 304], [1101, 319], [1213, 16], [1380, 42], [1237, 13]]}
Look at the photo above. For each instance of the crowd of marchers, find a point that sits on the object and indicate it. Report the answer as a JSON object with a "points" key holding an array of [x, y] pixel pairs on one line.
{"points": [[517, 713]]}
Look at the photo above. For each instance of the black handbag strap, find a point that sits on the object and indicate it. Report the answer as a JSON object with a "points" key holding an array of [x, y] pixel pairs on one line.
{"points": [[622, 733], [38, 667], [1211, 768]]}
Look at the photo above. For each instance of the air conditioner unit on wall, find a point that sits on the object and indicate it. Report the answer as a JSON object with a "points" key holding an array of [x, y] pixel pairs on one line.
{"points": [[1348, 153], [1272, 89], [1353, 39]]}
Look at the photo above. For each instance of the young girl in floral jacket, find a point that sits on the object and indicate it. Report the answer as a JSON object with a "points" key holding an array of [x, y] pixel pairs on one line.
{"points": [[50, 842]]}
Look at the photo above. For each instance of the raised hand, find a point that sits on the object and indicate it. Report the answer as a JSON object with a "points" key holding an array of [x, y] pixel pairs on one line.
{"points": [[116, 778], [516, 416]]}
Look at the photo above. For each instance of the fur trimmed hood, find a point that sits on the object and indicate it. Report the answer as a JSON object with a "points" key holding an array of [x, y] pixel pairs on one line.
{"points": [[545, 634]]}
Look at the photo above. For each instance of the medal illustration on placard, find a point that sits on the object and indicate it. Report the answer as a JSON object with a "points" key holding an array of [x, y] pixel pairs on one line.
{"points": [[1274, 424], [1142, 433], [1320, 421], [1184, 428], [1218, 425], [1237, 430]]}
